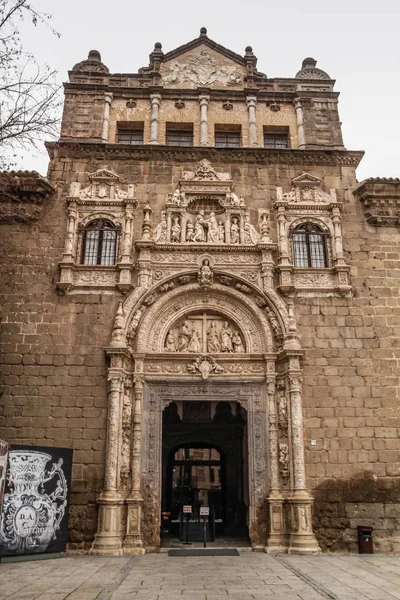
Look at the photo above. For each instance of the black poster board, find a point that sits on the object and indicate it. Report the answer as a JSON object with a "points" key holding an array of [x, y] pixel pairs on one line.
{"points": [[36, 501]]}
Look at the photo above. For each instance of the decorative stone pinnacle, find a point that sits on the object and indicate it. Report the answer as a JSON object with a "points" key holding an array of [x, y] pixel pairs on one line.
{"points": [[203, 32], [146, 227], [94, 55]]}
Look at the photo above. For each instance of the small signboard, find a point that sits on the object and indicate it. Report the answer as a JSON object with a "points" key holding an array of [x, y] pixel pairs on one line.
{"points": [[204, 511], [36, 500], [187, 508]]}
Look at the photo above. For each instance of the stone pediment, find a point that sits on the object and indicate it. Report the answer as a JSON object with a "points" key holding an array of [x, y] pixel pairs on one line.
{"points": [[104, 185], [103, 175], [305, 179], [202, 67], [306, 190], [205, 172]]}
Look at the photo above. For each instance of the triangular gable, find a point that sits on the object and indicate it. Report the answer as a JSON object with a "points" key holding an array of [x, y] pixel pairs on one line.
{"points": [[306, 179], [202, 66], [104, 175], [203, 40]]}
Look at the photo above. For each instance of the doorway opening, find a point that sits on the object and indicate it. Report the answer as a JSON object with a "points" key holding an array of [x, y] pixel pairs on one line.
{"points": [[204, 466]]}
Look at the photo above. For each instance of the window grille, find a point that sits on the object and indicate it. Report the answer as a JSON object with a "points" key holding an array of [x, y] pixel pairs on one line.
{"points": [[100, 243], [309, 246], [130, 136], [227, 139], [276, 140], [179, 137]]}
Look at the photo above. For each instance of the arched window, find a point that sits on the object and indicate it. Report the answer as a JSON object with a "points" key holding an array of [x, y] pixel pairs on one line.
{"points": [[309, 246], [100, 243]]}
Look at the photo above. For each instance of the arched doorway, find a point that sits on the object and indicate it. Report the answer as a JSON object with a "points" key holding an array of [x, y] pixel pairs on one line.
{"points": [[184, 342], [204, 455]]}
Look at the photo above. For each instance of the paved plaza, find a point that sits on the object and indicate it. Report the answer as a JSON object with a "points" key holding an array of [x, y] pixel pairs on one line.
{"points": [[250, 576]]}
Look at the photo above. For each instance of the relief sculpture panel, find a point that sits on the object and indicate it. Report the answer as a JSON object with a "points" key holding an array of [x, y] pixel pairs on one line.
{"points": [[203, 333]]}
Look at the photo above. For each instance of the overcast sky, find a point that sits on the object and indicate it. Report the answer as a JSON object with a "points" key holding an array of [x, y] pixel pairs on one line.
{"points": [[355, 41]]}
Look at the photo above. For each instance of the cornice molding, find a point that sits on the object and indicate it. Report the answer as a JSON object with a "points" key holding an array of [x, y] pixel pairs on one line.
{"points": [[261, 156]]}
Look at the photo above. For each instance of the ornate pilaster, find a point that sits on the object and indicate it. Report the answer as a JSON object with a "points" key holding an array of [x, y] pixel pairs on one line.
{"points": [[133, 540], [106, 116], [155, 106], [302, 539], [125, 265], [300, 124], [68, 261], [251, 106], [204, 100], [276, 541], [108, 536]]}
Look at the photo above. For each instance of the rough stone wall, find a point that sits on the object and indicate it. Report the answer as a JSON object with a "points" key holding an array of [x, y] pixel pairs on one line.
{"points": [[83, 116], [53, 365], [53, 371], [351, 403]]}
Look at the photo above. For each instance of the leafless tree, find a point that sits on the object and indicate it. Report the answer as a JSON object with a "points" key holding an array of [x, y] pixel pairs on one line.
{"points": [[30, 98]]}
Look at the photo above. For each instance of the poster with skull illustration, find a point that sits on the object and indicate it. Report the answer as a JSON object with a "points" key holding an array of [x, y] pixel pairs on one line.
{"points": [[36, 500]]}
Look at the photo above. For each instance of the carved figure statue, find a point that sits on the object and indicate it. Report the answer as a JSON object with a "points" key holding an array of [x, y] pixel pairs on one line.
{"points": [[170, 343], [199, 233], [235, 238], [205, 275], [221, 232], [102, 191], [176, 230], [226, 338], [189, 230], [176, 197], [185, 334], [213, 341], [284, 460], [237, 343], [235, 201], [251, 236], [160, 232], [213, 231], [195, 342], [282, 408]]}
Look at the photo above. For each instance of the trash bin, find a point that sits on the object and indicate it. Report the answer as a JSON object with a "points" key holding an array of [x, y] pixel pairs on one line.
{"points": [[365, 545]]}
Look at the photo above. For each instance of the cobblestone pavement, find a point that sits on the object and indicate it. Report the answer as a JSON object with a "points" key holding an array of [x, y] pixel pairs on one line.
{"points": [[250, 576]]}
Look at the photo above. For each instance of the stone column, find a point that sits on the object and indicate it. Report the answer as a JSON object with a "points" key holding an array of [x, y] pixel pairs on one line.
{"points": [[302, 539], [228, 228], [126, 247], [204, 100], [125, 265], [337, 229], [169, 225], [241, 228], [108, 536], [133, 540], [282, 238], [106, 116], [300, 123], [68, 261], [251, 106], [184, 217], [155, 105], [68, 254]]}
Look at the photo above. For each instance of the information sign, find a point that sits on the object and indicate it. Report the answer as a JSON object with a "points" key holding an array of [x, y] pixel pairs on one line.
{"points": [[204, 511], [187, 508]]}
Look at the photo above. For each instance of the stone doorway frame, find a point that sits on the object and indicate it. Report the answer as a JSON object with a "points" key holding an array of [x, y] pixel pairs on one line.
{"points": [[250, 396]]}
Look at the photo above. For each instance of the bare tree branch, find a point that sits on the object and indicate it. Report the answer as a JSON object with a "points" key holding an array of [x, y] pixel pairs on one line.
{"points": [[30, 99]]}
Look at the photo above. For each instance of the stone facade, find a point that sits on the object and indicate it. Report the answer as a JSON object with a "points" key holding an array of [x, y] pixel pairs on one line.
{"points": [[254, 271]]}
